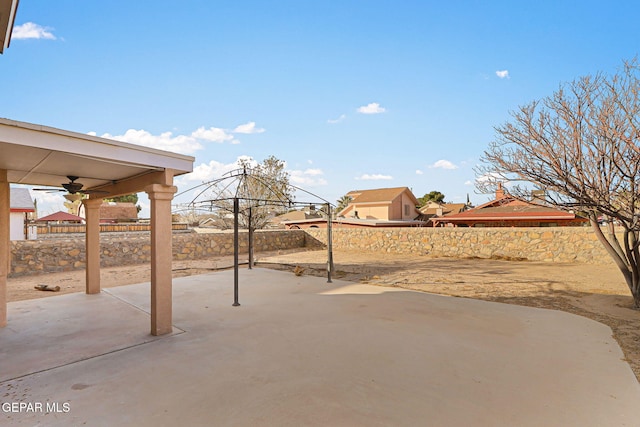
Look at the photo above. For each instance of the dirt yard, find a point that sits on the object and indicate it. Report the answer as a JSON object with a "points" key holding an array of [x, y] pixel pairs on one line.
{"points": [[594, 291]]}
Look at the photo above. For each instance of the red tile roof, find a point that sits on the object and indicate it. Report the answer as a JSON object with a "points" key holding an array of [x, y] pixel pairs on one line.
{"points": [[61, 216], [512, 209]]}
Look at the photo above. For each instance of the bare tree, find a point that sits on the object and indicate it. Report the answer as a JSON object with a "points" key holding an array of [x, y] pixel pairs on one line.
{"points": [[263, 191], [580, 145]]}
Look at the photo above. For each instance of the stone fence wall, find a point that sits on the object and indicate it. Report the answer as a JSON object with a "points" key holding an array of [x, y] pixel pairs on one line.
{"points": [[556, 244], [44, 256]]}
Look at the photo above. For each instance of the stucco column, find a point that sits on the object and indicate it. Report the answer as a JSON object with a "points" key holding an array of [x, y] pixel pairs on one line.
{"points": [[4, 244], [161, 257], [92, 243]]}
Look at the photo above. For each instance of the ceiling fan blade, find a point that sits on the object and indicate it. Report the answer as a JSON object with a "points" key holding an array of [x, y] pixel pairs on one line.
{"points": [[51, 190], [72, 187]]}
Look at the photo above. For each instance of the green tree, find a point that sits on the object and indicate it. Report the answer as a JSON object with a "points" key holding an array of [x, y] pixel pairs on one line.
{"points": [[581, 146], [432, 196], [342, 203]]}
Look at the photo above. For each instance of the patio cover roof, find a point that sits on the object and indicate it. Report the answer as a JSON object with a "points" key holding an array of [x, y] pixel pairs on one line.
{"points": [[41, 155], [8, 10]]}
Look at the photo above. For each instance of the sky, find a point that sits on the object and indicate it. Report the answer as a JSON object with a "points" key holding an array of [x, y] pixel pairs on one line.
{"points": [[351, 94]]}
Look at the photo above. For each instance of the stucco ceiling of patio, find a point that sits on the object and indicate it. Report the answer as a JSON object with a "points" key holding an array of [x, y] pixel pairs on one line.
{"points": [[40, 155]]}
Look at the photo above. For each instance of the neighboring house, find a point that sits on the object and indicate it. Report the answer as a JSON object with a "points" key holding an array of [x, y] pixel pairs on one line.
{"points": [[280, 221], [208, 222], [114, 212], [387, 204], [60, 217], [509, 211], [216, 222], [21, 208], [381, 207], [434, 210]]}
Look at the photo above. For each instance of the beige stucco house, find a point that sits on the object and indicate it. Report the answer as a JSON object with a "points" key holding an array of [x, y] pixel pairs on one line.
{"points": [[380, 207], [387, 204], [112, 212]]}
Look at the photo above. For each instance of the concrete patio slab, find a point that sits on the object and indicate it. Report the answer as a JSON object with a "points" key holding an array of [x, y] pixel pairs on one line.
{"points": [[299, 351], [50, 332]]}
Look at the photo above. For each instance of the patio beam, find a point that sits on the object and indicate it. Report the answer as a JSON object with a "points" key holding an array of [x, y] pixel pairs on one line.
{"points": [[137, 184]]}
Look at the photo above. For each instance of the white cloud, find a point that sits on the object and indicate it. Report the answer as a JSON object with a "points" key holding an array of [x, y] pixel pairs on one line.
{"points": [[338, 120], [314, 172], [248, 128], [185, 144], [419, 172], [503, 74], [29, 30], [373, 177], [48, 203], [372, 108], [145, 212], [307, 178], [212, 134], [443, 164], [165, 141], [205, 172], [468, 182], [491, 178]]}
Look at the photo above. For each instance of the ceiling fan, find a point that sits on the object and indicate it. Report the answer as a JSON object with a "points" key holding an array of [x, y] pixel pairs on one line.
{"points": [[73, 187]]}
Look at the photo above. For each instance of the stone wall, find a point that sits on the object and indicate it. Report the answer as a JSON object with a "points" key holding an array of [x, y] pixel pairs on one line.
{"points": [[557, 244], [55, 255]]}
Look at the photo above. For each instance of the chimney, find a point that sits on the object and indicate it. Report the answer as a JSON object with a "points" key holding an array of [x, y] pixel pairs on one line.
{"points": [[499, 192]]}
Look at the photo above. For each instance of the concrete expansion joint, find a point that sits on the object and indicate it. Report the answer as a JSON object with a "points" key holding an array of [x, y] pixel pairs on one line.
{"points": [[137, 307], [73, 362]]}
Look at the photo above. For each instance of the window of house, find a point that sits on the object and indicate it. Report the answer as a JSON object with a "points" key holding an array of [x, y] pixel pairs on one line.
{"points": [[406, 210]]}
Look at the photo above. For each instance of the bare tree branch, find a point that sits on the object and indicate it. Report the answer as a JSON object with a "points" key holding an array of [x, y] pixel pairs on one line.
{"points": [[581, 145]]}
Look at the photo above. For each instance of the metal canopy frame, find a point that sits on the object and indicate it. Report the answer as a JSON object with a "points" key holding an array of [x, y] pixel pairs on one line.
{"points": [[240, 177]]}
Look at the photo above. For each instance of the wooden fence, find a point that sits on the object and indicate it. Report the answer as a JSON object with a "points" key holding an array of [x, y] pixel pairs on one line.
{"points": [[65, 228]]}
